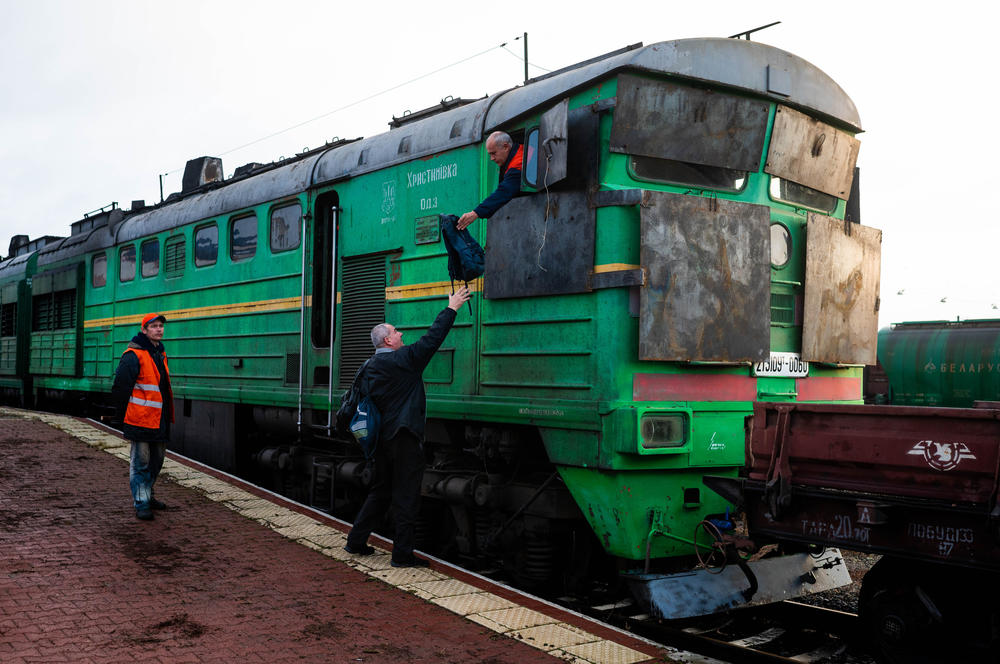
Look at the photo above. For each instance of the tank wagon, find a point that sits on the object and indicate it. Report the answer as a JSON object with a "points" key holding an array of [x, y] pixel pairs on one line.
{"points": [[686, 243], [939, 363]]}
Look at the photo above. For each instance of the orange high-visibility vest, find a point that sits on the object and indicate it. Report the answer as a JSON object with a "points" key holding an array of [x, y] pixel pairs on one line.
{"points": [[517, 161], [146, 403]]}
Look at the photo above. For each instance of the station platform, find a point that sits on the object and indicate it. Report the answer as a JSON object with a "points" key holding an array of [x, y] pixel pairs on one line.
{"points": [[231, 573]]}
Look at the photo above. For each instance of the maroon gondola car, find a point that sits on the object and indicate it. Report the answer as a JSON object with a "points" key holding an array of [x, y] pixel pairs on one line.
{"points": [[918, 485]]}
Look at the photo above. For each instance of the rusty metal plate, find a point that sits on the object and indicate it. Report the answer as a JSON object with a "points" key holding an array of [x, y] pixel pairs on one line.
{"points": [[840, 312], [669, 121], [542, 244], [812, 153], [707, 292], [553, 144]]}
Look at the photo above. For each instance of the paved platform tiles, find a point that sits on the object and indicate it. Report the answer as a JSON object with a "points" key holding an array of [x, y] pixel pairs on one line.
{"points": [[82, 580]]}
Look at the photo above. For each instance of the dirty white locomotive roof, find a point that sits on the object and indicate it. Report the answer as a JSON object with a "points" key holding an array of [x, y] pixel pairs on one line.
{"points": [[741, 65]]}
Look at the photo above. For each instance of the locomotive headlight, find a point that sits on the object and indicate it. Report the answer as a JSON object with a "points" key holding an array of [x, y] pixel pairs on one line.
{"points": [[660, 430], [781, 245]]}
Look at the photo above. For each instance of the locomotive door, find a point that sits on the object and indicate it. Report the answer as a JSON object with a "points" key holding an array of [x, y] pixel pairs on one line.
{"points": [[323, 288]]}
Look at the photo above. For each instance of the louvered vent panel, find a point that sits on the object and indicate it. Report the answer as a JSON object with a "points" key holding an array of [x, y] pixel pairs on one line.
{"points": [[782, 308], [362, 307], [174, 258], [292, 368], [8, 320], [65, 310], [41, 313]]}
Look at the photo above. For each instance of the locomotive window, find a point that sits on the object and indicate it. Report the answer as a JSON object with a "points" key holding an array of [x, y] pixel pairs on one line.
{"points": [[781, 246], [687, 174], [285, 226], [206, 245], [531, 150], [99, 270], [243, 238], [150, 258], [797, 194], [126, 263]]}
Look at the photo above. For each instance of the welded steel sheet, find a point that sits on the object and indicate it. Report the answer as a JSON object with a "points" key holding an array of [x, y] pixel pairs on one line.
{"points": [[707, 293], [843, 268], [554, 145], [541, 244], [812, 153], [702, 591], [670, 121]]}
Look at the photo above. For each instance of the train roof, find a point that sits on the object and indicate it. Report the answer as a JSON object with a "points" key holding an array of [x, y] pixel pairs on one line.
{"points": [[744, 66], [16, 267]]}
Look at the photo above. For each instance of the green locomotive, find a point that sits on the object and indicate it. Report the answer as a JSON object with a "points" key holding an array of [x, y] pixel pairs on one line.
{"points": [[686, 243]]}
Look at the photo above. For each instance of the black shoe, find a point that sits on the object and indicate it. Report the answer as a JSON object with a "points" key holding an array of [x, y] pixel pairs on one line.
{"points": [[365, 550], [157, 505], [410, 562], [145, 514]]}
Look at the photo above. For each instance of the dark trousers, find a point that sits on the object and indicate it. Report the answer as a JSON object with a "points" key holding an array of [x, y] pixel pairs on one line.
{"points": [[399, 469]]}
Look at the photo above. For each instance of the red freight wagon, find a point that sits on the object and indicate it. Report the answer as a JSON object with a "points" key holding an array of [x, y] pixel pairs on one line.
{"points": [[918, 485]]}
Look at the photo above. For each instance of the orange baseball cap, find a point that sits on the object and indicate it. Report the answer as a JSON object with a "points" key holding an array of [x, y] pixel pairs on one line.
{"points": [[149, 318]]}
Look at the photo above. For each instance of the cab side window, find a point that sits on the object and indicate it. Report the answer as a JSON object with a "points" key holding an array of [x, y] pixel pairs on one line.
{"points": [[285, 227], [243, 238], [206, 245], [126, 263], [98, 270], [150, 258]]}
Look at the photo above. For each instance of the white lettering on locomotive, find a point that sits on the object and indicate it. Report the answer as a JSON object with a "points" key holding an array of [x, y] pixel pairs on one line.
{"points": [[420, 178]]}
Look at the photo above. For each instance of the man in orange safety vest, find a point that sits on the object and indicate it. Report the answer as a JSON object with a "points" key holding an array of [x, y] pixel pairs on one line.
{"points": [[142, 391]]}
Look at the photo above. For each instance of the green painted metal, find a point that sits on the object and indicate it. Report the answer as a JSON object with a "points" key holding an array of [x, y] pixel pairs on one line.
{"points": [[942, 363]]}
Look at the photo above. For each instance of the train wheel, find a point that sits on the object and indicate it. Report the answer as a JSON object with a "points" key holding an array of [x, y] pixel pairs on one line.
{"points": [[927, 614]]}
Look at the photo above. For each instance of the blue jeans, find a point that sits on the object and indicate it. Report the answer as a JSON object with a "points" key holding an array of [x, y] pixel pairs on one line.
{"points": [[146, 462]]}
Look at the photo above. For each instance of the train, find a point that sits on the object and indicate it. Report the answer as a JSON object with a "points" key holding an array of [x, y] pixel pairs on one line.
{"points": [[944, 363], [686, 241], [916, 485]]}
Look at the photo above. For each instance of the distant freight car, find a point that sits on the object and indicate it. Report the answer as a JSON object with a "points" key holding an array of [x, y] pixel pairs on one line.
{"points": [[938, 363], [686, 225]]}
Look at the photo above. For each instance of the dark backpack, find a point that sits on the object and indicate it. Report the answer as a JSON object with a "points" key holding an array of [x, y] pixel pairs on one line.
{"points": [[365, 425], [466, 259], [358, 417]]}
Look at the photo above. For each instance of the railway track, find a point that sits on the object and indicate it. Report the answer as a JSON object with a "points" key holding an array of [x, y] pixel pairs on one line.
{"points": [[784, 632]]}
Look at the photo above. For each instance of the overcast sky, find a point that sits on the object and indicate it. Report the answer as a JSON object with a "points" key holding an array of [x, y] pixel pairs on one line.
{"points": [[101, 97]]}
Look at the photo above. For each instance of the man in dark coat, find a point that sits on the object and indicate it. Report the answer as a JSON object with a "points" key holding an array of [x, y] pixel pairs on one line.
{"points": [[142, 392], [504, 153], [395, 380]]}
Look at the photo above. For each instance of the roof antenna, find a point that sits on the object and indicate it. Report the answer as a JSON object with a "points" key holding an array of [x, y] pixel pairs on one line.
{"points": [[746, 34]]}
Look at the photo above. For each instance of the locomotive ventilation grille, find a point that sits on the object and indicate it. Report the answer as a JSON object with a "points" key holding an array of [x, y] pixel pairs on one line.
{"points": [[174, 257], [54, 311], [782, 308], [362, 307], [8, 319]]}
